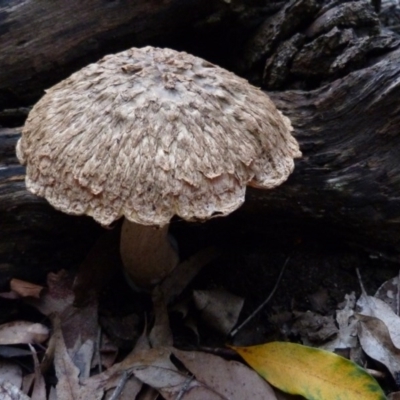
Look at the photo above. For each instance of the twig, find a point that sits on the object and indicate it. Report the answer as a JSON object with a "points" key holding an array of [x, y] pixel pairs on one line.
{"points": [[98, 351], [363, 291], [398, 295], [184, 388], [376, 374], [120, 387], [262, 305]]}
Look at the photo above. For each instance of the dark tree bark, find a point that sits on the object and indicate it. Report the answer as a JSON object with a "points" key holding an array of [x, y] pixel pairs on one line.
{"points": [[43, 42], [346, 68], [349, 175], [332, 68]]}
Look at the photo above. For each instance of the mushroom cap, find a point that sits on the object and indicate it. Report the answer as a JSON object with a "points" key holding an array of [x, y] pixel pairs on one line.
{"points": [[151, 133]]}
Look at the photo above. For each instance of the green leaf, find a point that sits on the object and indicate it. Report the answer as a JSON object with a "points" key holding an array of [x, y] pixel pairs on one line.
{"points": [[312, 373]]}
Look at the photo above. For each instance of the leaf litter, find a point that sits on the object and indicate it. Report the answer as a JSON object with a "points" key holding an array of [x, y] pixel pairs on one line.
{"points": [[88, 366], [153, 363]]}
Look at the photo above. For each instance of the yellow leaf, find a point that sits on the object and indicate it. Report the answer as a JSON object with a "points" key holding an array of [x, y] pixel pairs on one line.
{"points": [[312, 373]]}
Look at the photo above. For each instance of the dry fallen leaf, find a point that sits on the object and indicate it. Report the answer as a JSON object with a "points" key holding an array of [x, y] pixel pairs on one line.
{"points": [[376, 342], [219, 308], [27, 383], [67, 373], [389, 293], [10, 392], [10, 372], [312, 373], [25, 289], [374, 307], [184, 272], [161, 334], [68, 386], [346, 337], [208, 377], [129, 391], [23, 332], [58, 294], [313, 327], [231, 379], [39, 386], [79, 325]]}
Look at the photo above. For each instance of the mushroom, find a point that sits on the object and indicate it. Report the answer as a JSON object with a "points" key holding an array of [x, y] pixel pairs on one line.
{"points": [[148, 134]]}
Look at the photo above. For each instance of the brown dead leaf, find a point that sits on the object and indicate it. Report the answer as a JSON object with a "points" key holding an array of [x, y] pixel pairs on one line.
{"points": [[374, 307], [154, 368], [25, 289], [79, 325], [230, 379], [346, 337], [313, 327], [67, 373], [10, 372], [123, 330], [52, 393], [219, 308], [184, 272], [58, 294], [10, 295], [214, 378], [27, 383], [376, 341], [79, 328], [129, 391], [112, 377], [10, 392], [23, 332], [68, 385], [161, 334], [39, 386], [389, 292]]}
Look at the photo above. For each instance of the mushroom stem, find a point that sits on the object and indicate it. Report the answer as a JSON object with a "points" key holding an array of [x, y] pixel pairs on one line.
{"points": [[146, 252]]}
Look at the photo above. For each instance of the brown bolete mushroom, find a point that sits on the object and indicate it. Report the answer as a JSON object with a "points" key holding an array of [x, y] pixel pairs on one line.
{"points": [[148, 134]]}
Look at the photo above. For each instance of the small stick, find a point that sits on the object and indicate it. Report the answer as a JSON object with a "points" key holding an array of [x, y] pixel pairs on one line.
{"points": [[398, 295], [262, 305], [120, 387], [98, 351], [376, 374], [363, 291], [184, 388]]}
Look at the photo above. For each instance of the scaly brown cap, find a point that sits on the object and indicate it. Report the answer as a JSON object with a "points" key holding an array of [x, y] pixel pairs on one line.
{"points": [[151, 133]]}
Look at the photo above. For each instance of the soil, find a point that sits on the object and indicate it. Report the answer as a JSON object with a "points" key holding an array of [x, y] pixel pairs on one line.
{"points": [[320, 271]]}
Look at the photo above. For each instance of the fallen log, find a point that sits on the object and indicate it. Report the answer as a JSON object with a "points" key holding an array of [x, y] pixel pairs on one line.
{"points": [[43, 43], [344, 110]]}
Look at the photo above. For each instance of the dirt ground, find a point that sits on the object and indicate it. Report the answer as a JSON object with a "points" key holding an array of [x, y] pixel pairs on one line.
{"points": [[320, 271]]}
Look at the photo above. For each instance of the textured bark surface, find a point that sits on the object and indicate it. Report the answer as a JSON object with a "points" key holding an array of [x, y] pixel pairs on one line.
{"points": [[335, 72], [349, 175], [43, 41], [338, 80], [34, 238]]}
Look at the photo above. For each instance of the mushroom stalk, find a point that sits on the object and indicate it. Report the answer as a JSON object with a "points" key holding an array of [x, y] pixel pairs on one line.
{"points": [[146, 252]]}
